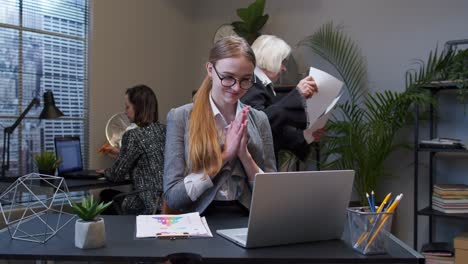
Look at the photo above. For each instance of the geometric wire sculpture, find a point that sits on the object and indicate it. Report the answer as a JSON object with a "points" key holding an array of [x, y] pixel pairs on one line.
{"points": [[32, 207]]}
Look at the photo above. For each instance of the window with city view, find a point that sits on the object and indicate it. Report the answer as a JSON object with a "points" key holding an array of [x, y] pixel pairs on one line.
{"points": [[43, 46]]}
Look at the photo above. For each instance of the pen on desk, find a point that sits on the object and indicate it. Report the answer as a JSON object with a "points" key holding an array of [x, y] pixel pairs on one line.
{"points": [[369, 201], [389, 204], [365, 235], [374, 220], [373, 200], [382, 222], [382, 205]]}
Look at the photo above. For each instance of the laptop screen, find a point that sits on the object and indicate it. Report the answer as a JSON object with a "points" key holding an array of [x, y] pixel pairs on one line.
{"points": [[69, 151]]}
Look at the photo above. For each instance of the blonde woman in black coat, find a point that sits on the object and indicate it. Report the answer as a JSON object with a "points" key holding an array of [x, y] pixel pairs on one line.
{"points": [[287, 114]]}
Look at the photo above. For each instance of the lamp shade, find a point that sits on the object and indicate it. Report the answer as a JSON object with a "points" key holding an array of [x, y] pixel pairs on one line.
{"points": [[50, 111]]}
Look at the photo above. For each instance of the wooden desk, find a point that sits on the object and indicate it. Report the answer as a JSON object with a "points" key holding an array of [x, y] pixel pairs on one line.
{"points": [[123, 246]]}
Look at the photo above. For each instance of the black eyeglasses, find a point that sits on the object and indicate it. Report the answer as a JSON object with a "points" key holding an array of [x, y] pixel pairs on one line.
{"points": [[229, 81]]}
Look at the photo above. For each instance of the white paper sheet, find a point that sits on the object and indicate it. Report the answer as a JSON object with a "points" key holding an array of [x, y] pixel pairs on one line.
{"points": [[320, 122], [191, 223], [329, 88], [319, 106]]}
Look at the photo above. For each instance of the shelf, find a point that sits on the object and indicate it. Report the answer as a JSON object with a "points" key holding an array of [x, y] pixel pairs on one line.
{"points": [[425, 149], [442, 85], [436, 152], [431, 212]]}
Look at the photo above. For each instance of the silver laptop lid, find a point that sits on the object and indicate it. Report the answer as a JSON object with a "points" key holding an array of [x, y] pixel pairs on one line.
{"points": [[293, 207]]}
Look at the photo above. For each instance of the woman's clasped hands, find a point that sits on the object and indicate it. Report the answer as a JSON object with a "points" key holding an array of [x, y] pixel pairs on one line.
{"points": [[237, 137]]}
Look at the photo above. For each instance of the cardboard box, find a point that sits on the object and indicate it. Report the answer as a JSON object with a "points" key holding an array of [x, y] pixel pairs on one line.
{"points": [[460, 244]]}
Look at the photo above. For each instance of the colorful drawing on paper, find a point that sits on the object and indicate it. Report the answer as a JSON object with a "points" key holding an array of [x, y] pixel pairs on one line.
{"points": [[168, 220]]}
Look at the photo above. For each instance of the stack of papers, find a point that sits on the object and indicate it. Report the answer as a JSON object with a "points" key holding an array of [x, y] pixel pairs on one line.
{"points": [[319, 106], [187, 225]]}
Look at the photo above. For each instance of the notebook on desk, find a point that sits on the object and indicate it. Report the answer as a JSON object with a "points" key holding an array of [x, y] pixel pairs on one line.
{"points": [[71, 161], [294, 207]]}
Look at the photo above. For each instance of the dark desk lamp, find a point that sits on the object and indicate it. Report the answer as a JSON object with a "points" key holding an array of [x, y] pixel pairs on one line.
{"points": [[50, 111]]}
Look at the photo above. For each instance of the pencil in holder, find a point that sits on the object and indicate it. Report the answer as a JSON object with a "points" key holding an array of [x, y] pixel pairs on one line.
{"points": [[368, 230]]}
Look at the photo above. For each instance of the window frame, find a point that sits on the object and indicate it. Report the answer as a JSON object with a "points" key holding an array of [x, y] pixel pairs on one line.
{"points": [[20, 108]]}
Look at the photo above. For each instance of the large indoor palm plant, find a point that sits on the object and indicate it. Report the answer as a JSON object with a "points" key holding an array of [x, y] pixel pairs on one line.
{"points": [[362, 132]]}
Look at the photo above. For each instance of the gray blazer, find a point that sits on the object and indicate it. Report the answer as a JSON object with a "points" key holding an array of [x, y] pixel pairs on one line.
{"points": [[176, 166]]}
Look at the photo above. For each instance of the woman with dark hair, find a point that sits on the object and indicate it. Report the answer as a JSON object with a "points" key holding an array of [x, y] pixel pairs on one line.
{"points": [[141, 157], [217, 144]]}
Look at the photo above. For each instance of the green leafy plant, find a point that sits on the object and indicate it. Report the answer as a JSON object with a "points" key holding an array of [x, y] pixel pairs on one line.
{"points": [[361, 134], [46, 161], [449, 67], [252, 22], [88, 210], [456, 69]]}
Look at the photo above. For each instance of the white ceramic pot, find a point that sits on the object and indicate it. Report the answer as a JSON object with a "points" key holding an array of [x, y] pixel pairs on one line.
{"points": [[90, 234]]}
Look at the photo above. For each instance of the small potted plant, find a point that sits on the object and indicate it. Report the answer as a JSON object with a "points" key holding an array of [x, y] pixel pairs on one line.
{"points": [[90, 231], [46, 162]]}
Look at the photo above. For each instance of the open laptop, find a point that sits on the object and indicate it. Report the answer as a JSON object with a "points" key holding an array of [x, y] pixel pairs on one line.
{"points": [[294, 207], [71, 161]]}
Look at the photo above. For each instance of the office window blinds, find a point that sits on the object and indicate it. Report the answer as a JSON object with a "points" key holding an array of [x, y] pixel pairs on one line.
{"points": [[43, 46]]}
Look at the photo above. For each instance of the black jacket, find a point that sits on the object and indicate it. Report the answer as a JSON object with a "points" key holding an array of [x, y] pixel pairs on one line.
{"points": [[286, 115], [141, 158]]}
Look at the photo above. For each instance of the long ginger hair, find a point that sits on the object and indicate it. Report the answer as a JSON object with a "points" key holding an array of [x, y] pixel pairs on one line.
{"points": [[204, 148]]}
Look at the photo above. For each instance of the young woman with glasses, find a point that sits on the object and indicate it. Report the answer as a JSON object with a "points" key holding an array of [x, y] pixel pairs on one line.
{"points": [[215, 146], [286, 115]]}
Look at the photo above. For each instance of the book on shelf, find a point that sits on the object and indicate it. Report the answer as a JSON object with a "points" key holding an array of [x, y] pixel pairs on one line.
{"points": [[449, 201], [452, 193], [439, 260], [441, 249], [450, 206], [451, 187], [450, 210], [450, 196]]}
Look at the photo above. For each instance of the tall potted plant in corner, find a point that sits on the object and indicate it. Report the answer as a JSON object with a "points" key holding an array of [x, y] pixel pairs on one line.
{"points": [[90, 230], [361, 134]]}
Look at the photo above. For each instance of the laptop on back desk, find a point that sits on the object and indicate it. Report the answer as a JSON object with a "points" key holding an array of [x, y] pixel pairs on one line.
{"points": [[71, 161], [294, 207]]}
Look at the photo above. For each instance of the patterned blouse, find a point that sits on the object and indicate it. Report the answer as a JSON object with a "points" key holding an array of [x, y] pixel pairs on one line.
{"points": [[141, 160]]}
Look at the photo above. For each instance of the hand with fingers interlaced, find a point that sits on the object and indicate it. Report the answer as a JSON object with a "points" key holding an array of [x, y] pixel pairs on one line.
{"points": [[234, 135], [307, 87], [243, 152]]}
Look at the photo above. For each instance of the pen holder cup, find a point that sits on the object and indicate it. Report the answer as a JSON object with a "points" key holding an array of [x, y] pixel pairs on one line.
{"points": [[368, 230]]}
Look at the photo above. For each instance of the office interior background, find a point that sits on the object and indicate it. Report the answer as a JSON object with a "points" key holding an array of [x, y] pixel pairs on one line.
{"points": [[165, 43]]}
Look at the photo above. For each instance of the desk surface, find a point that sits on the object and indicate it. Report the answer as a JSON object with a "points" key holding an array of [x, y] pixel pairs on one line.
{"points": [[86, 184], [122, 245], [72, 184]]}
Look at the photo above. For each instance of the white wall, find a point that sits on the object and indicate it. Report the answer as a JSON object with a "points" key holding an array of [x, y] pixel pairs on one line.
{"points": [[165, 43], [136, 42]]}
